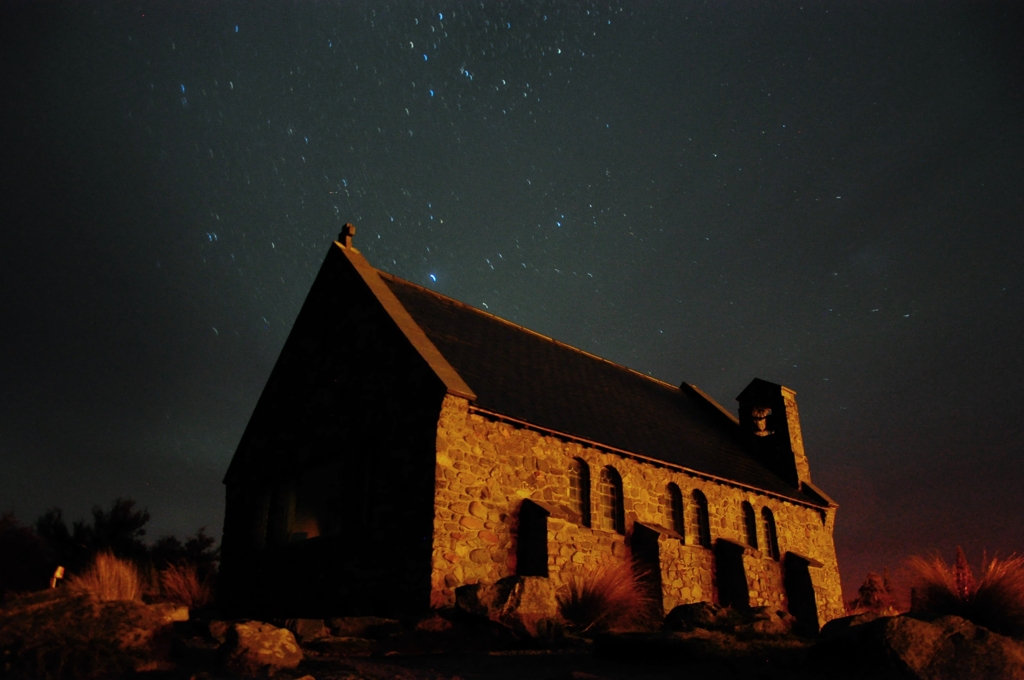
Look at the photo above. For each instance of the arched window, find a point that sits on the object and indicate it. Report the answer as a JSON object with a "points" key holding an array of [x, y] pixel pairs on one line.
{"points": [[579, 489], [750, 524], [703, 521], [770, 534], [613, 515], [675, 509]]}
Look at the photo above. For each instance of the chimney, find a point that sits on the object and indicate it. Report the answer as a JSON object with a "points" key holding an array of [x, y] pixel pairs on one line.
{"points": [[770, 424]]}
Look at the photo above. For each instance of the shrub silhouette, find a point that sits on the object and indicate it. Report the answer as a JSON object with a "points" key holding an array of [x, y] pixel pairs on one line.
{"points": [[994, 601], [108, 579], [25, 560], [612, 596]]}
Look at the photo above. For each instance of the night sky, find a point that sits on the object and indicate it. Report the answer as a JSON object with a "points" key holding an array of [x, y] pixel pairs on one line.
{"points": [[827, 195]]}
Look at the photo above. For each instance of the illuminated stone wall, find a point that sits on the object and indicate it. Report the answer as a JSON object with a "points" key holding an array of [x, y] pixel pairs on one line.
{"points": [[486, 468]]}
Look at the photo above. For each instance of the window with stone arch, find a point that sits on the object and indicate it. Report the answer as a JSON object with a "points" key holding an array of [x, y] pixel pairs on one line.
{"points": [[674, 508], [750, 524], [579, 489], [612, 509], [702, 520], [770, 533]]}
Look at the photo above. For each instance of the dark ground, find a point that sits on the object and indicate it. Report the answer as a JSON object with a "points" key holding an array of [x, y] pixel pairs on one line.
{"points": [[544, 665]]}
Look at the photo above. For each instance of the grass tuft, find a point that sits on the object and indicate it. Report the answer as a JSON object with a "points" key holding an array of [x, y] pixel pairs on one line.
{"points": [[108, 579], [60, 634], [180, 583], [994, 600], [610, 597]]}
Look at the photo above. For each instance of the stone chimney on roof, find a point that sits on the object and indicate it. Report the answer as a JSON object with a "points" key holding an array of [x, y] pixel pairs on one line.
{"points": [[770, 424]]}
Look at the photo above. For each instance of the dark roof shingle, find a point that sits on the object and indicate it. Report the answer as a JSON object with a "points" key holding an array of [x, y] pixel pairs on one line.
{"points": [[529, 377]]}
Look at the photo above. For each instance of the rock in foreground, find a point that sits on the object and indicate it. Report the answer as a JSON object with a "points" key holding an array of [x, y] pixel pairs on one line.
{"points": [[707, 616], [519, 602], [255, 648], [949, 648]]}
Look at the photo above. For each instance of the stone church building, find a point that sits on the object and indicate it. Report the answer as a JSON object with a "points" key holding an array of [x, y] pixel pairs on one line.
{"points": [[406, 444]]}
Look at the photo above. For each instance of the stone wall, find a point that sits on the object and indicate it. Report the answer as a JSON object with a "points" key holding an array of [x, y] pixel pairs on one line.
{"points": [[486, 468], [686, 573]]}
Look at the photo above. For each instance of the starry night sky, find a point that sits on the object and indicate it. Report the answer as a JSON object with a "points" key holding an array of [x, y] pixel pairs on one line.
{"points": [[827, 196]]}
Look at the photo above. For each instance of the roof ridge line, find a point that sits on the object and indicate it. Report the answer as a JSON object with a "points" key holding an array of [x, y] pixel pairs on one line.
{"points": [[393, 307], [531, 331]]}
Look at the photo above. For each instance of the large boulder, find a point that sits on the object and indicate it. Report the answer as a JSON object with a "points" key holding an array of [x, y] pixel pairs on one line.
{"points": [[520, 602], [765, 621], [846, 625], [686, 617], [255, 648], [949, 648]]}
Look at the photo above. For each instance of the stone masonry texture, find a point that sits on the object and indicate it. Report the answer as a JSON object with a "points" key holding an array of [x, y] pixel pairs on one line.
{"points": [[486, 468]]}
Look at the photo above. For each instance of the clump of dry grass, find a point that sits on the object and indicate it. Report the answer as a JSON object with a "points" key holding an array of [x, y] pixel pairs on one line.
{"points": [[610, 597], [63, 634], [109, 578], [994, 601], [180, 583]]}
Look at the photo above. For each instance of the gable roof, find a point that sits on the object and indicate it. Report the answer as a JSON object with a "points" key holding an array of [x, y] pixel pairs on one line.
{"points": [[525, 376]]}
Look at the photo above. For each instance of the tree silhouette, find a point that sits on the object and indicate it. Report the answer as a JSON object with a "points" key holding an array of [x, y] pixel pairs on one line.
{"points": [[121, 530], [65, 550], [197, 550], [29, 555]]}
